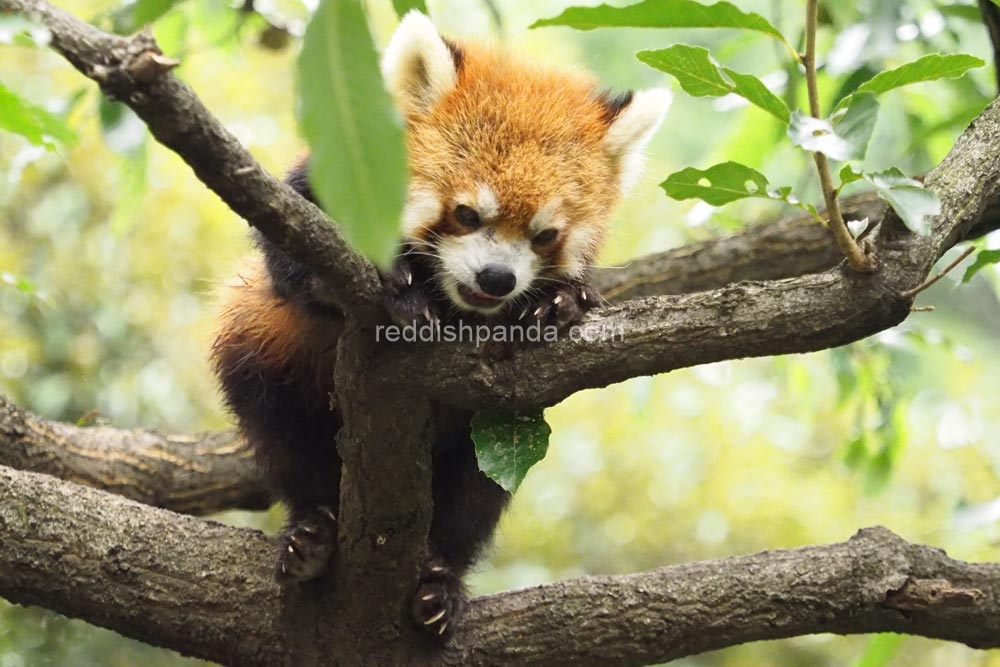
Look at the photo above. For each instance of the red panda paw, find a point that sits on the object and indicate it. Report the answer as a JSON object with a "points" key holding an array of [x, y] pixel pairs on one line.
{"points": [[438, 601], [560, 306], [306, 547], [408, 298]]}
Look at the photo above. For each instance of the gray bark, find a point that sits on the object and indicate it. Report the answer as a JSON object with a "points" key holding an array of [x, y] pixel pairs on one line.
{"points": [[205, 590]]}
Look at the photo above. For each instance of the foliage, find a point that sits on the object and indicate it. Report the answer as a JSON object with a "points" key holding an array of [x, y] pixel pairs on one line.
{"points": [[843, 136], [508, 445], [358, 163], [110, 251]]}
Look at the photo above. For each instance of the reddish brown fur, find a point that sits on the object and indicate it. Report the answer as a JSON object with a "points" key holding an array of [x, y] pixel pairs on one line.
{"points": [[276, 333], [530, 133]]}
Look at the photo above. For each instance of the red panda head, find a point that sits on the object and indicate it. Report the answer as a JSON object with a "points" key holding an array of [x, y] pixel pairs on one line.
{"points": [[514, 168]]}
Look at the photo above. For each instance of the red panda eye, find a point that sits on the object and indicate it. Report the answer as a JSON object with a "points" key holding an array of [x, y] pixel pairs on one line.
{"points": [[467, 216], [546, 237]]}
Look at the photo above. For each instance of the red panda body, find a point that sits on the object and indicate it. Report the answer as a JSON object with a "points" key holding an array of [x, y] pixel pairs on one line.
{"points": [[514, 171]]}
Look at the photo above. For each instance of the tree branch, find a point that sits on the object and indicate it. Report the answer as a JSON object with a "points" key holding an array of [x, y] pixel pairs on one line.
{"points": [[170, 580], [106, 559], [194, 475], [205, 589], [660, 334], [133, 71], [786, 248]]}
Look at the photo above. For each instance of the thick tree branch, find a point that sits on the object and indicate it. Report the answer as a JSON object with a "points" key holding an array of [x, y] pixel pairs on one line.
{"points": [[786, 248], [205, 589], [171, 580], [133, 71], [659, 334], [194, 475], [106, 559]]}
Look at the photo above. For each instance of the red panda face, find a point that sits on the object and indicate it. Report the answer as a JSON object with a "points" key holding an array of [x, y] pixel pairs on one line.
{"points": [[514, 168]]}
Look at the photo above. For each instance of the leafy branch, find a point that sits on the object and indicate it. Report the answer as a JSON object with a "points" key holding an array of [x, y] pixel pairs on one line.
{"points": [[858, 259], [844, 136]]}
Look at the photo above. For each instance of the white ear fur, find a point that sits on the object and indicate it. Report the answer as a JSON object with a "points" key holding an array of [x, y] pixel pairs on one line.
{"points": [[418, 67], [631, 131]]}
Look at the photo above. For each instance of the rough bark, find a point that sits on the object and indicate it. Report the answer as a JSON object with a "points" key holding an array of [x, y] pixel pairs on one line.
{"points": [[205, 589], [134, 71], [194, 475]]}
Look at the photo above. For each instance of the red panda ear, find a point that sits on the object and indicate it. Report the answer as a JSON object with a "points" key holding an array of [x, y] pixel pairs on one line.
{"points": [[419, 67], [633, 119]]}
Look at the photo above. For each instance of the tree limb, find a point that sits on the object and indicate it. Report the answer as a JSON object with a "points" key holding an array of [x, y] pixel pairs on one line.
{"points": [[194, 475], [786, 248], [134, 71], [106, 559], [205, 589], [660, 334]]}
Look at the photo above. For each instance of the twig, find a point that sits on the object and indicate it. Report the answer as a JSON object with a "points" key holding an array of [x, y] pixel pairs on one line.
{"points": [[858, 259], [910, 293]]}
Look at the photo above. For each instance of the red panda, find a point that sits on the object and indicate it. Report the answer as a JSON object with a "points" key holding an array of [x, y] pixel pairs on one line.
{"points": [[514, 170]]}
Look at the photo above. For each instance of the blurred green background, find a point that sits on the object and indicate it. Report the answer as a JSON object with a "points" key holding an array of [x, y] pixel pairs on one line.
{"points": [[111, 250]]}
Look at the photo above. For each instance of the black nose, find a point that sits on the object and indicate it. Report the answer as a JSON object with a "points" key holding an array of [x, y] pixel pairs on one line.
{"points": [[496, 280]]}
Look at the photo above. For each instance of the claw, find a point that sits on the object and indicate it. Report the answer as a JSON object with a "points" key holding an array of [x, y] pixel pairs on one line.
{"points": [[435, 618], [556, 301], [444, 626], [428, 597], [328, 512], [583, 295], [437, 569], [523, 313], [292, 550], [409, 277], [538, 311]]}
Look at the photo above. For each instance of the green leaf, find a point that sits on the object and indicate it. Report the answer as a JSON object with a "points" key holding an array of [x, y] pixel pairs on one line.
{"points": [[754, 91], [508, 445], [842, 137], [692, 68], [928, 68], [33, 123], [403, 6], [909, 198], [967, 12], [698, 76], [848, 175], [727, 182], [983, 259], [664, 14], [358, 164], [147, 11]]}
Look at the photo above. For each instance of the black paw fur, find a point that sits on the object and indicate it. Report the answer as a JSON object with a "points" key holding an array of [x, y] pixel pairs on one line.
{"points": [[408, 295], [306, 547], [438, 602], [559, 306]]}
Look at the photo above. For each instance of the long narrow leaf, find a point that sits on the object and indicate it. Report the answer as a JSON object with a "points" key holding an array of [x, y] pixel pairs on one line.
{"points": [[32, 122], [693, 68], [358, 164], [928, 68], [664, 14]]}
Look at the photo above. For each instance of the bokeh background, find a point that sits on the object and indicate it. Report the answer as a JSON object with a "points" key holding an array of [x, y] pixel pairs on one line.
{"points": [[111, 250]]}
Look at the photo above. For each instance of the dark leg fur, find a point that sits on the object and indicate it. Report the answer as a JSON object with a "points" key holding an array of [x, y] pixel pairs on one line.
{"points": [[292, 430], [467, 507], [284, 411]]}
